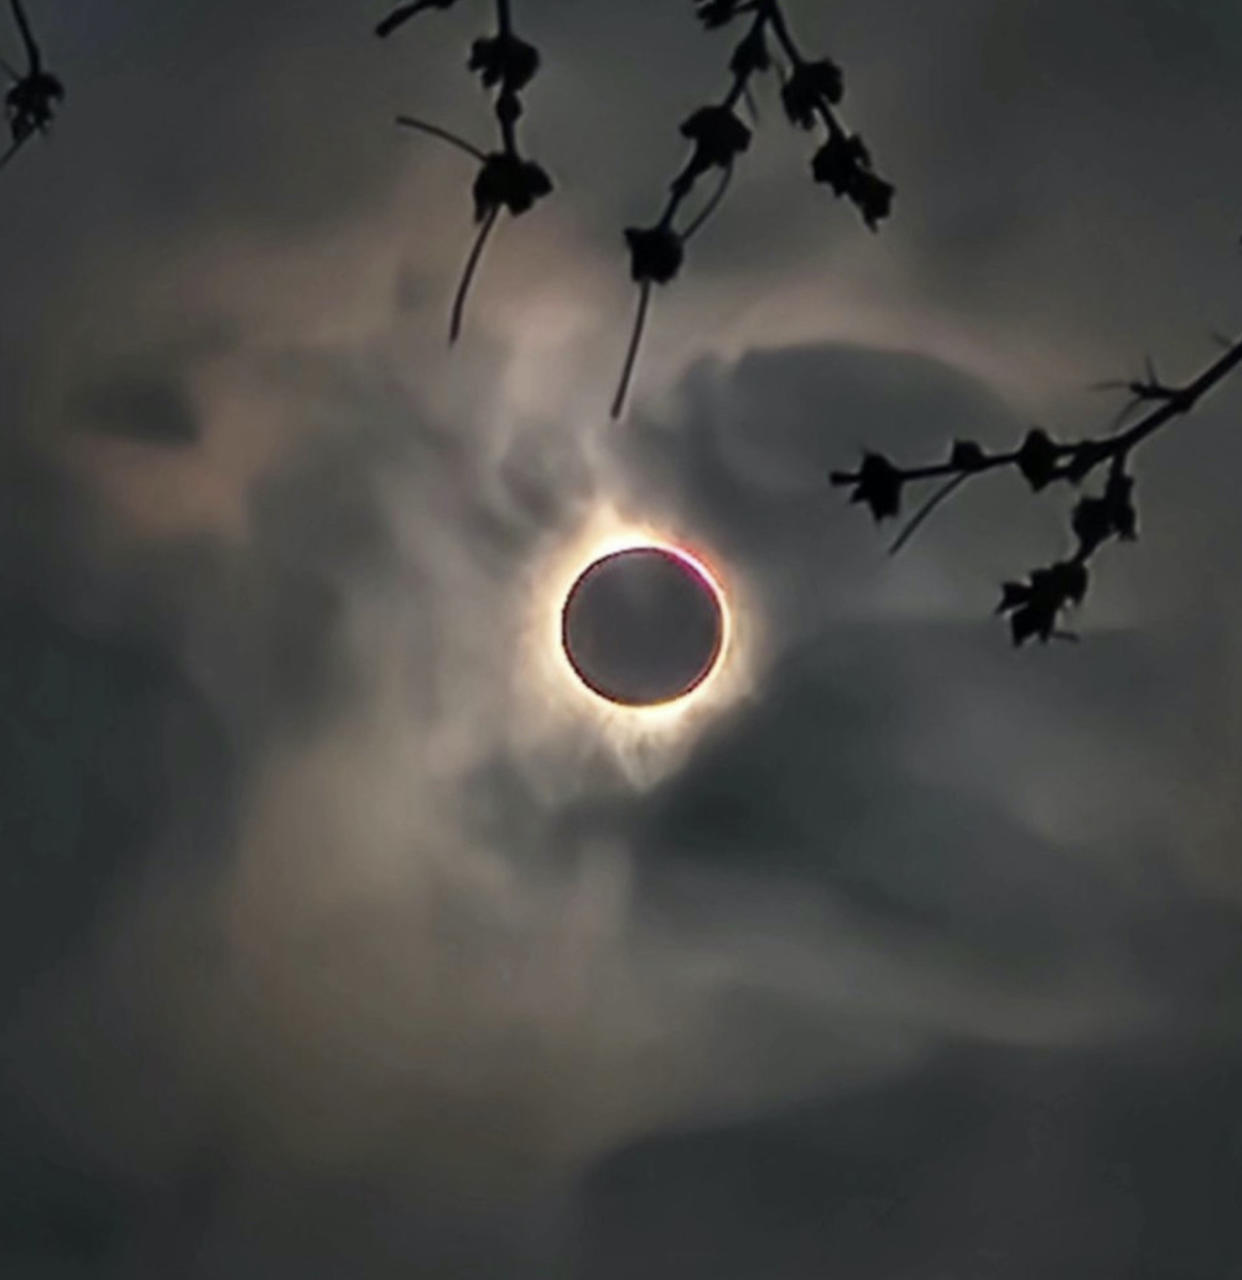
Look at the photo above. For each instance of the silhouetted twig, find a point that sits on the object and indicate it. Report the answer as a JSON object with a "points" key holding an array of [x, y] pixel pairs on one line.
{"points": [[445, 135], [810, 92], [403, 13], [472, 263], [1142, 390], [29, 104], [912, 525], [506, 179], [713, 203], [1034, 606], [631, 352]]}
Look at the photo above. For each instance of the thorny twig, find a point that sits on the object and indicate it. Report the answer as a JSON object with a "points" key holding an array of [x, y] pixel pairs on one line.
{"points": [[810, 92], [30, 103], [506, 179], [1034, 606]]}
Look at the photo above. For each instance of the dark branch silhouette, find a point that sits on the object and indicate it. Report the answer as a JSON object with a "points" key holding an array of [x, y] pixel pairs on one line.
{"points": [[726, 177], [30, 102], [1034, 607], [810, 92], [942, 494], [506, 179], [631, 354], [445, 135], [399, 16], [1142, 390], [472, 263]]}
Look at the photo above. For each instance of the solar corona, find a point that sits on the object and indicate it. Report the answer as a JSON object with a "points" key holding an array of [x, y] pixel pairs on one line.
{"points": [[644, 625]]}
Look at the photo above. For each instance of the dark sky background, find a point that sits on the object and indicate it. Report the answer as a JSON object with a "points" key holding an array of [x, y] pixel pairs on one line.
{"points": [[339, 936]]}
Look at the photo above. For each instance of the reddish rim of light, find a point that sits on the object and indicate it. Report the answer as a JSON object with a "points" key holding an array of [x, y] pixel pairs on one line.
{"points": [[684, 560]]}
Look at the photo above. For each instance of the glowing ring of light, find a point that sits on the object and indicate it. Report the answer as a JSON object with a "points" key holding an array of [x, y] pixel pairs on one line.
{"points": [[703, 577]]}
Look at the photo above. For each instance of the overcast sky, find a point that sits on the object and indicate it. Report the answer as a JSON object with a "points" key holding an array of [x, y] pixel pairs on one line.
{"points": [[341, 935]]}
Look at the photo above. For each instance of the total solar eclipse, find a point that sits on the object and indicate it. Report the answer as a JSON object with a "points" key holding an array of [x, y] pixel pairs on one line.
{"points": [[643, 626]]}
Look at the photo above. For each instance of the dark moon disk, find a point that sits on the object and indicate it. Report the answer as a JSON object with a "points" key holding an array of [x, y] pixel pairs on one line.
{"points": [[642, 626]]}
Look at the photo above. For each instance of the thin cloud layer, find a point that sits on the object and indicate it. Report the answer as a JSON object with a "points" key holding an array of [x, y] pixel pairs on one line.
{"points": [[338, 937]]}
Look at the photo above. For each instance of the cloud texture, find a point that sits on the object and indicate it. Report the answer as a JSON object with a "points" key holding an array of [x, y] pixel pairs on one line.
{"points": [[340, 935]]}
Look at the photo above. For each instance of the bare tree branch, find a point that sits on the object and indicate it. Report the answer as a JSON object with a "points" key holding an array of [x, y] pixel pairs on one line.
{"points": [[34, 59], [472, 263], [1034, 606], [506, 180], [809, 93], [30, 102], [445, 135]]}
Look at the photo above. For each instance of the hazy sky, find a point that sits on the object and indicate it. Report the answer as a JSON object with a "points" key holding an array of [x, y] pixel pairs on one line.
{"points": [[340, 934]]}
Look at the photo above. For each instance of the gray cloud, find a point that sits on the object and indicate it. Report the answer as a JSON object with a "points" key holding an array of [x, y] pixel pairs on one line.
{"points": [[337, 938], [960, 1169], [152, 411]]}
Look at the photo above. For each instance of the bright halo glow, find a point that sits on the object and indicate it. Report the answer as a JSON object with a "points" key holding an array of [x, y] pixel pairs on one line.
{"points": [[646, 738], [597, 668]]}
